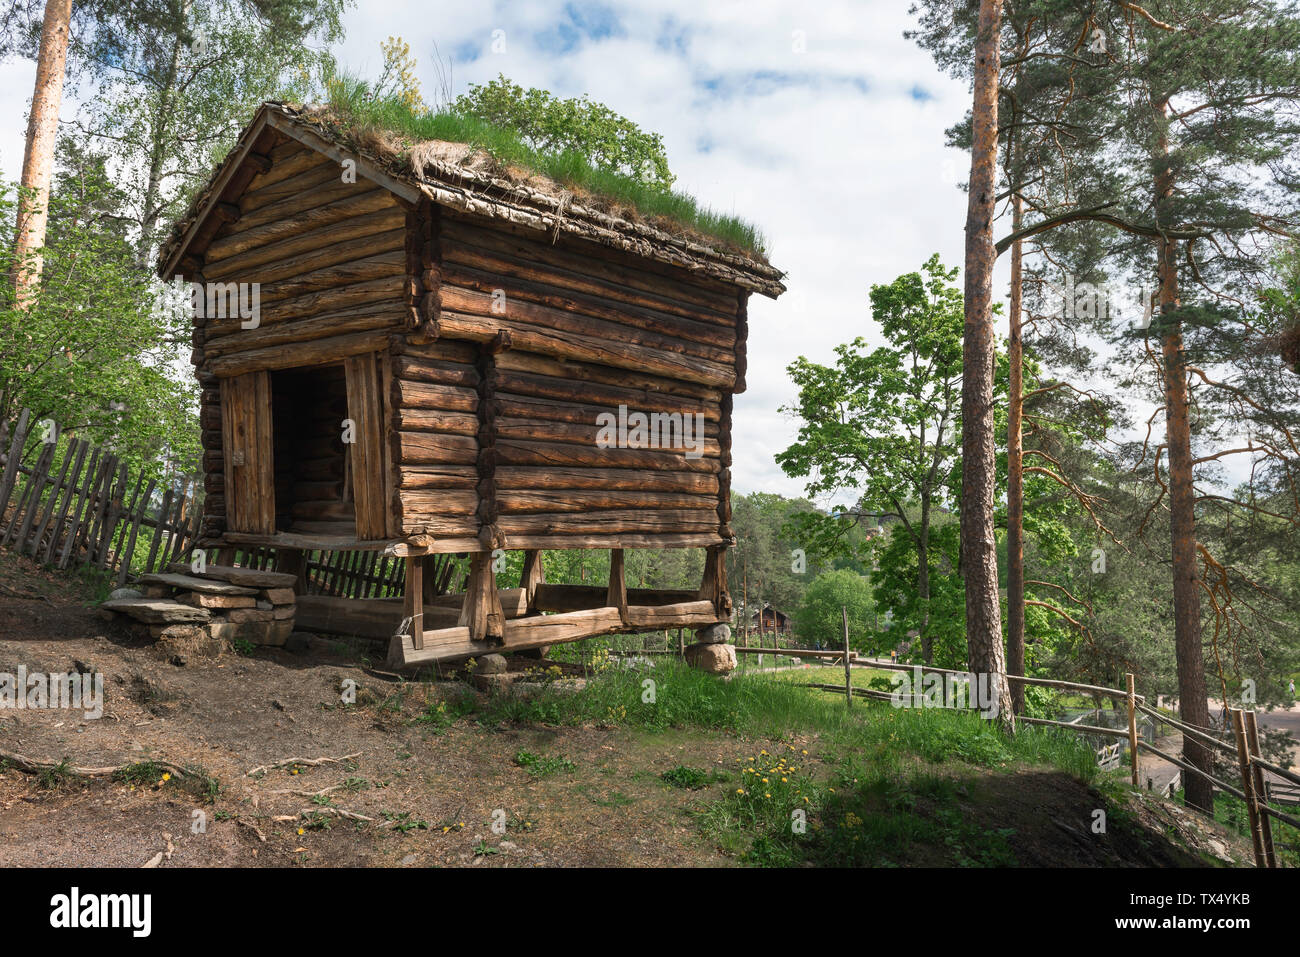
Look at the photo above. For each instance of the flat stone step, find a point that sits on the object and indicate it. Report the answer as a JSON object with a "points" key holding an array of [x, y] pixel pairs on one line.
{"points": [[241, 576], [155, 611], [192, 583]]}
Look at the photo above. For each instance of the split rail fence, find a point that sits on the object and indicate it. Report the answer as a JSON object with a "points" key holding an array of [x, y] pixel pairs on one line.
{"points": [[1244, 748]]}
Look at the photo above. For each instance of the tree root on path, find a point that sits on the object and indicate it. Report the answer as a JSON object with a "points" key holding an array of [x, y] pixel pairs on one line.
{"points": [[305, 762], [30, 766]]}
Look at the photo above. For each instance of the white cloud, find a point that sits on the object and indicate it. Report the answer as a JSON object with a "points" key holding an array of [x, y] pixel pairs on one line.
{"points": [[828, 151]]}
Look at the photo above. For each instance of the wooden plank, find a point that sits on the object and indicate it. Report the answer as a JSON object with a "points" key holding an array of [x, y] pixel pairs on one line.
{"points": [[13, 460], [29, 503], [248, 441], [89, 477], [82, 446], [52, 501], [365, 408], [539, 631]]}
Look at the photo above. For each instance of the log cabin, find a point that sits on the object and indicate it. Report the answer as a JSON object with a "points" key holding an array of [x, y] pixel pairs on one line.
{"points": [[401, 347]]}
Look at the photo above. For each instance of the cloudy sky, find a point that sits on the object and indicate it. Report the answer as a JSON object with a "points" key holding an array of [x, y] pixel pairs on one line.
{"points": [[817, 121]]}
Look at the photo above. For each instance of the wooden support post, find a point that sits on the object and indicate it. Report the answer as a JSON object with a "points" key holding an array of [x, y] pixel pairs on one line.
{"points": [[1257, 779], [293, 561], [1132, 728], [681, 644], [616, 596], [482, 613], [1247, 785], [415, 599], [848, 671], [532, 575], [714, 586]]}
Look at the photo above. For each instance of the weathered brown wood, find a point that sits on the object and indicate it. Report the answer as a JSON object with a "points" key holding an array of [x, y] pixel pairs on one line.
{"points": [[351, 239], [608, 521], [315, 352], [365, 408], [616, 593], [660, 336], [482, 613], [435, 420], [79, 511], [249, 466], [533, 453], [329, 324], [539, 631], [560, 501], [691, 286], [414, 600], [742, 341], [81, 447], [605, 540], [427, 395], [434, 448], [556, 479], [296, 232], [524, 372], [569, 345], [418, 369], [438, 477], [714, 584], [463, 259], [532, 576]]}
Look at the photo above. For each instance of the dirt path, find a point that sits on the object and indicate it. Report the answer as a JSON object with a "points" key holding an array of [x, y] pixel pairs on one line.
{"points": [[406, 785]]}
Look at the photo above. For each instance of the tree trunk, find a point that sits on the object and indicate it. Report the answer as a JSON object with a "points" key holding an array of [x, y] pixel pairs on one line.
{"points": [[38, 157], [923, 579], [1015, 475], [1193, 705], [149, 209], [978, 543]]}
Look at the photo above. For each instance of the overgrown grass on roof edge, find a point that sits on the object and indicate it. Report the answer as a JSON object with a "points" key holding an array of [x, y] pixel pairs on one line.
{"points": [[352, 107]]}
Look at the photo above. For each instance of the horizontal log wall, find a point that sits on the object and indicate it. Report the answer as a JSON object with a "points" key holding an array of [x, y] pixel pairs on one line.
{"points": [[563, 334], [329, 257]]}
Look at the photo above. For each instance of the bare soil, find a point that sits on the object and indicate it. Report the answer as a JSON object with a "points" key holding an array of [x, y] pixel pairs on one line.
{"points": [[430, 793]]}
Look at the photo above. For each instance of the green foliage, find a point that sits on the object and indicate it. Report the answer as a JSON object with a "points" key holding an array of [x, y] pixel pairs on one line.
{"points": [[894, 589], [819, 619], [549, 124], [688, 779], [541, 767], [357, 105], [92, 353]]}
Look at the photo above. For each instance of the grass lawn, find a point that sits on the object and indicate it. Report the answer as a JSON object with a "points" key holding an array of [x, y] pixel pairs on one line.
{"points": [[812, 782]]}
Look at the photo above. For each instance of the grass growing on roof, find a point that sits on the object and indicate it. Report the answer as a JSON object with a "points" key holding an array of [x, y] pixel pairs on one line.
{"points": [[354, 105]]}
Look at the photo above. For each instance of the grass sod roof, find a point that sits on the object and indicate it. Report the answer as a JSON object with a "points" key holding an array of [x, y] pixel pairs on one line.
{"points": [[492, 181]]}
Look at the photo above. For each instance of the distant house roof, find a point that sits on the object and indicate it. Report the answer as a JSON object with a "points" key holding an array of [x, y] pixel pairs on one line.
{"points": [[775, 611], [454, 175]]}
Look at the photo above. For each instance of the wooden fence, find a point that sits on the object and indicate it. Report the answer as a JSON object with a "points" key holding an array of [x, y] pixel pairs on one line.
{"points": [[66, 502], [1244, 748]]}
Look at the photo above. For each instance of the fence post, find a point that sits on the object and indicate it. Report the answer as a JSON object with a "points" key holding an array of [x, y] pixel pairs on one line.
{"points": [[1247, 786], [848, 674], [1257, 779], [1132, 729]]}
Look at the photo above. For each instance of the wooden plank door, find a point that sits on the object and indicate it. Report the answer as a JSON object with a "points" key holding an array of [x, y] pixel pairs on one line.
{"points": [[365, 409], [246, 428]]}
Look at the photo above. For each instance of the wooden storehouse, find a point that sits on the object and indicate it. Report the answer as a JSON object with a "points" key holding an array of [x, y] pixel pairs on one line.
{"points": [[401, 347], [771, 620]]}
